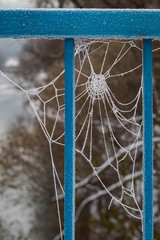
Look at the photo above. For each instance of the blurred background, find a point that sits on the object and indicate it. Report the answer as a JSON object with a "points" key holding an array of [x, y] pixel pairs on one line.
{"points": [[27, 203]]}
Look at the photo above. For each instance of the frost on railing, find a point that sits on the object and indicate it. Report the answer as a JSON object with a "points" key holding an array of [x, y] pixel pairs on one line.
{"points": [[108, 124]]}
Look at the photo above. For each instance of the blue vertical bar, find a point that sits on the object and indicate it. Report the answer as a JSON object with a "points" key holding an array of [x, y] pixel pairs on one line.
{"points": [[69, 214], [147, 142]]}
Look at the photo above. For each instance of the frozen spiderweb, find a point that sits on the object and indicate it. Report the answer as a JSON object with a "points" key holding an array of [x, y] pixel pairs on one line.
{"points": [[101, 120], [100, 102]]}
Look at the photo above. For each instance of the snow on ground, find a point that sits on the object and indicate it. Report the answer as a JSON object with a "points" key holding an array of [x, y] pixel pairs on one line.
{"points": [[12, 106], [17, 210], [16, 205], [11, 62]]}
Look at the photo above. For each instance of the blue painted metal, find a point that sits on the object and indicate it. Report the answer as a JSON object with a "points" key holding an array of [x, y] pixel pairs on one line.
{"points": [[97, 23], [69, 213], [147, 142], [44, 23]]}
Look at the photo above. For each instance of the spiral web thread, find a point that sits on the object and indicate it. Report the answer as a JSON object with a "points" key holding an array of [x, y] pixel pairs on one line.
{"points": [[92, 89]]}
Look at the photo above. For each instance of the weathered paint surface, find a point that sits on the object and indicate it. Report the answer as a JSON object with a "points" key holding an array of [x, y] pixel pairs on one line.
{"points": [[69, 23]]}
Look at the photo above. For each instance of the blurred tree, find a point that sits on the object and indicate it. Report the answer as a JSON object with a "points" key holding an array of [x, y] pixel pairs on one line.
{"points": [[26, 174], [99, 4]]}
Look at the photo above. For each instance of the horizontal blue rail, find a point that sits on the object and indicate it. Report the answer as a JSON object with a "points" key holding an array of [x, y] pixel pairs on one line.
{"points": [[79, 23]]}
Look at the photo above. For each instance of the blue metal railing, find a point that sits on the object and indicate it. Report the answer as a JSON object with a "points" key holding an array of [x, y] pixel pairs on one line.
{"points": [[147, 142], [70, 24], [69, 213]]}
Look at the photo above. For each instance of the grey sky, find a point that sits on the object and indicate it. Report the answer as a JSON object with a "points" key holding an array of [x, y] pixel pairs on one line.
{"points": [[16, 3]]}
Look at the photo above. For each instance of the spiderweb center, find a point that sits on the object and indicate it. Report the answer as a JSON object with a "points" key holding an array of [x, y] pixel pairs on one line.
{"points": [[96, 86]]}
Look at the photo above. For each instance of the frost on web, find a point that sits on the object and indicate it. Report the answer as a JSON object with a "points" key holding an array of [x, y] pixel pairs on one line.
{"points": [[108, 129], [108, 122]]}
